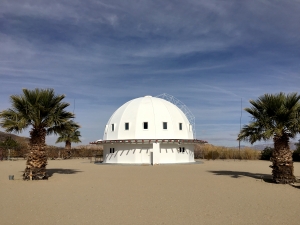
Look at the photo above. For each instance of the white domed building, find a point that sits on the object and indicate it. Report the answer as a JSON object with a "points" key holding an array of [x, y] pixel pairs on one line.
{"points": [[148, 130]]}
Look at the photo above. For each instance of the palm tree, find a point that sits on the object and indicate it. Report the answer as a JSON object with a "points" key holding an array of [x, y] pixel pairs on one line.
{"points": [[9, 144], [69, 136], [275, 116], [44, 112]]}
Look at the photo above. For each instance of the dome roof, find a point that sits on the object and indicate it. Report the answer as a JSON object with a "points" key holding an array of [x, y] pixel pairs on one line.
{"points": [[148, 118]]}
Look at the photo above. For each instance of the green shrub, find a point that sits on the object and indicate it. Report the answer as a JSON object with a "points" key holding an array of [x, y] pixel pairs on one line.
{"points": [[296, 155], [266, 153]]}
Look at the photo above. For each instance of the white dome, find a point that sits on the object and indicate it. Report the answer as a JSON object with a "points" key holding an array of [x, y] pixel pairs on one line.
{"points": [[148, 118]]}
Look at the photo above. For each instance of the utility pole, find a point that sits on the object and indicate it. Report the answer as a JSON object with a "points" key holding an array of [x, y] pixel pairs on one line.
{"points": [[240, 129]]}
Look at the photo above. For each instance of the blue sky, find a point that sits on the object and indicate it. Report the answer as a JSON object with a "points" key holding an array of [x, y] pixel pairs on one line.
{"points": [[208, 54]]}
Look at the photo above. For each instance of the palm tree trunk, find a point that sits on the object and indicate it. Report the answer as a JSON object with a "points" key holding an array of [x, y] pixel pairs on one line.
{"points": [[37, 157], [67, 154], [282, 167]]}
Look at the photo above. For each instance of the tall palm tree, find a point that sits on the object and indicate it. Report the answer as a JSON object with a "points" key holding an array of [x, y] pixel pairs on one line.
{"points": [[69, 136], [275, 116], [44, 112]]}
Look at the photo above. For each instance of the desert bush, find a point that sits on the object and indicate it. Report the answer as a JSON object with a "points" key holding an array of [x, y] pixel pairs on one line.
{"points": [[11, 148], [199, 152], [208, 151], [266, 153], [296, 155], [54, 152], [212, 155]]}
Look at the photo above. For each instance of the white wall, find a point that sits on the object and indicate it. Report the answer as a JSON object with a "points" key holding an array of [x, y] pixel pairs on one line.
{"points": [[141, 153], [169, 153], [127, 153]]}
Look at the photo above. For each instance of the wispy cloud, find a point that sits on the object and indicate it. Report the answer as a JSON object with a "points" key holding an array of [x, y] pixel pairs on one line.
{"points": [[209, 54]]}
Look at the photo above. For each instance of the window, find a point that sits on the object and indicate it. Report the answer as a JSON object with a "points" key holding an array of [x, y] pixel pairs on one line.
{"points": [[145, 125], [165, 125], [126, 126], [181, 149], [180, 126], [113, 127], [112, 150]]}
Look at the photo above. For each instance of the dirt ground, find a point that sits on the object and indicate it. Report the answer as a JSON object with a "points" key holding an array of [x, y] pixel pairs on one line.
{"points": [[215, 192]]}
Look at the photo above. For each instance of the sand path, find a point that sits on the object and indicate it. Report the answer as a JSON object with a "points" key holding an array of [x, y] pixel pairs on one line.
{"points": [[80, 192]]}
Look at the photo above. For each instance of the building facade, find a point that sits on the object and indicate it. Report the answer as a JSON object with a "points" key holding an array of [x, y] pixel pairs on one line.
{"points": [[148, 130]]}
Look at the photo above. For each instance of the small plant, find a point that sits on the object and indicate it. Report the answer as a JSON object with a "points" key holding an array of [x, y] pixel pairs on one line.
{"points": [[296, 155], [266, 153]]}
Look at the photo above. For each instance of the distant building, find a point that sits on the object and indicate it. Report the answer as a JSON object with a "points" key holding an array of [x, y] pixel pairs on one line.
{"points": [[148, 130]]}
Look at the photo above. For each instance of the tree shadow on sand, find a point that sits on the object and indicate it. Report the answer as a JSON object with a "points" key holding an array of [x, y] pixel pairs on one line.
{"points": [[258, 176], [238, 174], [296, 184], [50, 172]]}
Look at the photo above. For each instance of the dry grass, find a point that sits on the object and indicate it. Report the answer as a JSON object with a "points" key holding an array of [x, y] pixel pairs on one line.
{"points": [[54, 152], [208, 151], [82, 152]]}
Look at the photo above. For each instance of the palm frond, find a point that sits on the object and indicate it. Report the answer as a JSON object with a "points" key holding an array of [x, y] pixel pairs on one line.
{"points": [[70, 133], [272, 114], [39, 108]]}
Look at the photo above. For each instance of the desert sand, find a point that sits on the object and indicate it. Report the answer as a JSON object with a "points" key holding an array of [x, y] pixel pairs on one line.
{"points": [[215, 192]]}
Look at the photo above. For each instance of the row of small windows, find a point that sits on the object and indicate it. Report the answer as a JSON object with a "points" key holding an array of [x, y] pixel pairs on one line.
{"points": [[112, 150], [145, 126]]}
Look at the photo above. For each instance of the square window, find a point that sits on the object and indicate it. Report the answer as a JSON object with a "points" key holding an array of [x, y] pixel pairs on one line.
{"points": [[126, 126], [165, 125], [145, 125], [180, 126], [112, 150], [113, 127]]}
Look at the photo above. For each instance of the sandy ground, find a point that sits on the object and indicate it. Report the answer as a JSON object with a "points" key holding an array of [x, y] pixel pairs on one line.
{"points": [[215, 192]]}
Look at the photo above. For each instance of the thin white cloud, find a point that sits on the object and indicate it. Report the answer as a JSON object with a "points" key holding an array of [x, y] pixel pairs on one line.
{"points": [[209, 54]]}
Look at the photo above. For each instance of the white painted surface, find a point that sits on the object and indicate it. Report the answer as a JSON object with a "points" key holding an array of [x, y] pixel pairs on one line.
{"points": [[156, 153], [127, 153], [141, 153], [149, 109], [155, 111]]}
